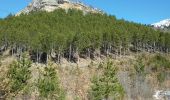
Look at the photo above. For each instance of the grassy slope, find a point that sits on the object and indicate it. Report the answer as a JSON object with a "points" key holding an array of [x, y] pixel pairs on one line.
{"points": [[75, 79]]}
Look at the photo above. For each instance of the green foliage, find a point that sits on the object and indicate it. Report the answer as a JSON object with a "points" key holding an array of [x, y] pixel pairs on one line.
{"points": [[161, 77], [19, 74], [48, 85], [139, 66], [106, 85], [160, 62], [58, 30]]}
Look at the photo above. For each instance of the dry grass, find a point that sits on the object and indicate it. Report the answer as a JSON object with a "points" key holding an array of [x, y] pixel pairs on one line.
{"points": [[75, 78]]}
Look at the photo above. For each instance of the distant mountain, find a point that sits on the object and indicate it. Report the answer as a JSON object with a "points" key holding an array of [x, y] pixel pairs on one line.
{"points": [[51, 5], [162, 24]]}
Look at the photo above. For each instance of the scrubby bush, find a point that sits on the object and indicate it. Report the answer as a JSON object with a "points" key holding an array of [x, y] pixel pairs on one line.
{"points": [[160, 62], [161, 77], [49, 86], [139, 66]]}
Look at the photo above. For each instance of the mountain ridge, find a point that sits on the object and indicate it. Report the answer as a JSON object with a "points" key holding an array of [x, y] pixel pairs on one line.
{"points": [[51, 5]]}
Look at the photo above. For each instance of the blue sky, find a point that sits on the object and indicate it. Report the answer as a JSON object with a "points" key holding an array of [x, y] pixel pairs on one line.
{"points": [[142, 11]]}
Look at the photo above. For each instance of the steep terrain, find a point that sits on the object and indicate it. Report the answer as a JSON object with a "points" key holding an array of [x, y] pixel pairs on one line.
{"points": [[77, 47], [51, 5]]}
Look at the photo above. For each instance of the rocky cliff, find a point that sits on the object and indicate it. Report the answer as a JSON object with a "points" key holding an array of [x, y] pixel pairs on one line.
{"points": [[51, 5]]}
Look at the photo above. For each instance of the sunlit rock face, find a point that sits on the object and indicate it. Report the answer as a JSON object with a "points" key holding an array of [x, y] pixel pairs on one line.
{"points": [[51, 5], [35, 5], [162, 24]]}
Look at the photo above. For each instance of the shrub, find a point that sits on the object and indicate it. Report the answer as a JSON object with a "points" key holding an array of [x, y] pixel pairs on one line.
{"points": [[139, 67], [161, 77], [160, 62], [48, 85], [19, 74]]}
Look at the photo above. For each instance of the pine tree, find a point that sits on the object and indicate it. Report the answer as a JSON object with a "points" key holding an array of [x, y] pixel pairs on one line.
{"points": [[106, 86], [48, 85], [19, 74], [72, 32]]}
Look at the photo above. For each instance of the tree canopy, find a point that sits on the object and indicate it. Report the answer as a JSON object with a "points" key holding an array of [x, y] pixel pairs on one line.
{"points": [[74, 32]]}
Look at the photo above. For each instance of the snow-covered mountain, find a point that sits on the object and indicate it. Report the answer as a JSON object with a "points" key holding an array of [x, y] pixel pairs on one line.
{"points": [[51, 5], [162, 24]]}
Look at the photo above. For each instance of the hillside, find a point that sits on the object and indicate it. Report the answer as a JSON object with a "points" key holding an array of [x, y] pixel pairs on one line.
{"points": [[65, 54], [73, 34], [140, 76]]}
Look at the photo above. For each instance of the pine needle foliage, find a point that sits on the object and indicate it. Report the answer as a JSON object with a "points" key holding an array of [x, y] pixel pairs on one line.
{"points": [[105, 86], [49, 86], [19, 74]]}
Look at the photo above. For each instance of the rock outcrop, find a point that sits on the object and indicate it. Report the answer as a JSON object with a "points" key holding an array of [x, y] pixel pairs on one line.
{"points": [[51, 5], [162, 24]]}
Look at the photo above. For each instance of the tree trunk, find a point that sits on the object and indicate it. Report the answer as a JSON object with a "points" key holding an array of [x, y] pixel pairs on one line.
{"points": [[106, 97], [167, 50], [58, 57], [99, 55], [37, 56], [88, 52], [78, 59], [70, 52], [124, 51], [107, 52], [19, 52], [12, 51], [154, 45], [47, 59], [120, 51]]}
